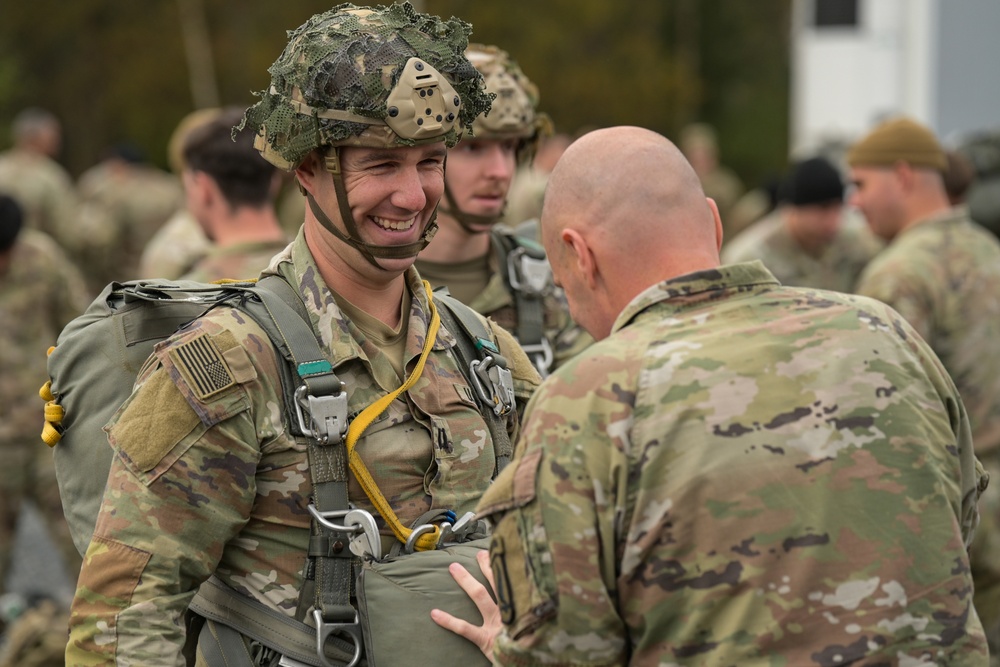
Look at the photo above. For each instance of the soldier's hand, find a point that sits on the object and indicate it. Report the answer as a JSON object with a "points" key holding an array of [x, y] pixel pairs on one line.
{"points": [[483, 635]]}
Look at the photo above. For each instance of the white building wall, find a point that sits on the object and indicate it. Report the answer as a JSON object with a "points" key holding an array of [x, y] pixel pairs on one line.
{"points": [[937, 61]]}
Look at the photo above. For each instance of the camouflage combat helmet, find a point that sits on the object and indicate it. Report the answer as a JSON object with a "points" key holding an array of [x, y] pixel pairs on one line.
{"points": [[513, 115], [380, 77], [514, 112]]}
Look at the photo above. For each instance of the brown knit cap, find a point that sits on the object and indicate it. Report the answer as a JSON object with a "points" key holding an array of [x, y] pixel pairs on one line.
{"points": [[899, 140]]}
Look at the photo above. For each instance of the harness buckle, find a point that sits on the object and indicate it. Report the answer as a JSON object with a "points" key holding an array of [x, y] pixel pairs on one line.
{"points": [[500, 380], [540, 354], [360, 523], [527, 274], [323, 418], [323, 631]]}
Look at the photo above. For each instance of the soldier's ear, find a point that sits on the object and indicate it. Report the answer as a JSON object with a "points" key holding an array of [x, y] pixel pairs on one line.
{"points": [[308, 171], [581, 255], [718, 222]]}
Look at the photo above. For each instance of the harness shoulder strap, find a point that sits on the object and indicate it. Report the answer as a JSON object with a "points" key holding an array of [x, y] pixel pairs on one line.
{"points": [[485, 369], [528, 277], [316, 403]]}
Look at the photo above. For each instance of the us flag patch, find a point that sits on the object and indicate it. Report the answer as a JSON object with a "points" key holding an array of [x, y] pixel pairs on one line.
{"points": [[202, 366]]}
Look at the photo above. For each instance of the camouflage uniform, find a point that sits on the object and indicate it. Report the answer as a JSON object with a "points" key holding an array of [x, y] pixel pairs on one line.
{"points": [[175, 248], [39, 294], [497, 302], [801, 497], [836, 269], [943, 275], [45, 192], [122, 207], [249, 524], [239, 261]]}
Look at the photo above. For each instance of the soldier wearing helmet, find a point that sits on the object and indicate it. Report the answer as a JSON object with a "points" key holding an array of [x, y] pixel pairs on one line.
{"points": [[362, 106], [481, 261]]}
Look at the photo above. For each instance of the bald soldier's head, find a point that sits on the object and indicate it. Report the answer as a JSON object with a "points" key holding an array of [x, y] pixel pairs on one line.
{"points": [[623, 211]]}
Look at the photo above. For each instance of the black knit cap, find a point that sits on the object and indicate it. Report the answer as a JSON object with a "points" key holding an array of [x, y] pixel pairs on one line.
{"points": [[11, 219], [812, 181]]}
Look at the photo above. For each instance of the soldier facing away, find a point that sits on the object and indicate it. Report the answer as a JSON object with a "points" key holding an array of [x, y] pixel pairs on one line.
{"points": [[737, 472], [40, 292], [30, 174], [941, 271], [230, 189], [483, 263], [208, 479]]}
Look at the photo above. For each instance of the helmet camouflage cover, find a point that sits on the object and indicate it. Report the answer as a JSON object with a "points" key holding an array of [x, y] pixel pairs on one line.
{"points": [[379, 77], [514, 111]]}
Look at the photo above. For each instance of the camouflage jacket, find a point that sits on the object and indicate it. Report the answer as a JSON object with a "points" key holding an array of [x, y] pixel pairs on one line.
{"points": [[175, 248], [836, 269], [46, 193], [121, 209], [943, 276], [39, 294], [238, 261], [498, 301], [206, 479], [801, 496]]}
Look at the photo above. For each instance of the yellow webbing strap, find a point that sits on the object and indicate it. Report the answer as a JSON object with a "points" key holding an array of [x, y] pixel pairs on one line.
{"points": [[54, 413], [427, 541]]}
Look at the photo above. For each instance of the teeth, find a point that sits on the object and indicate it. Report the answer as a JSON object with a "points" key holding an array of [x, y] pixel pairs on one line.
{"points": [[397, 225]]}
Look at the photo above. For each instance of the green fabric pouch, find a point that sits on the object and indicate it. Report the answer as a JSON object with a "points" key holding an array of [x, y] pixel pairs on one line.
{"points": [[395, 598]]}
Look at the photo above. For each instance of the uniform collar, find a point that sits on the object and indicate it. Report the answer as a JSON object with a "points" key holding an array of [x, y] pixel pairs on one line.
{"points": [[677, 294]]}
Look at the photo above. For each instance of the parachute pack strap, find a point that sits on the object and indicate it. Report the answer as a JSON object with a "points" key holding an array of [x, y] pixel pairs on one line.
{"points": [[427, 541], [287, 323], [469, 331], [527, 274], [218, 602]]}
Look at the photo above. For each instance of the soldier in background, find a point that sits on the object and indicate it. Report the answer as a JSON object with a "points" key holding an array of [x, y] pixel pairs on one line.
{"points": [[810, 240], [40, 292], [230, 191], [482, 263], [941, 271], [124, 202], [30, 174], [737, 472], [180, 242]]}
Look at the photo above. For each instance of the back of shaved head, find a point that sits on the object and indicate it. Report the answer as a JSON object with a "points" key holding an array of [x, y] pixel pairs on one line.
{"points": [[634, 192]]}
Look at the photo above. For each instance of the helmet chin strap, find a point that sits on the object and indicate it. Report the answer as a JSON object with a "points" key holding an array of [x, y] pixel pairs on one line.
{"points": [[467, 220], [370, 251]]}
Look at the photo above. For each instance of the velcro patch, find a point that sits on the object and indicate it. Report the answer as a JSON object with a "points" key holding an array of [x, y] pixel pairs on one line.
{"points": [[203, 367], [465, 394]]}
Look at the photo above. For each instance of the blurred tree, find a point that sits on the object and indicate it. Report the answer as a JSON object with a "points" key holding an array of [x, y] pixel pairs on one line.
{"points": [[114, 70]]}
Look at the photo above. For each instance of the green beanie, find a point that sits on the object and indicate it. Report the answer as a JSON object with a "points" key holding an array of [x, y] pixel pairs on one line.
{"points": [[899, 140]]}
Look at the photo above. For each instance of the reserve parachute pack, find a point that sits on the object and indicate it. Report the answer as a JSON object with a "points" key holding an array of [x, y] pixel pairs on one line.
{"points": [[92, 371]]}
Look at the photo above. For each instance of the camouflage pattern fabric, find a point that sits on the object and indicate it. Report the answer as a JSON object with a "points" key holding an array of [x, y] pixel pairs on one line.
{"points": [[836, 269], [45, 192], [207, 479], [40, 293], [565, 336], [943, 276], [801, 497], [122, 207], [239, 261], [175, 248]]}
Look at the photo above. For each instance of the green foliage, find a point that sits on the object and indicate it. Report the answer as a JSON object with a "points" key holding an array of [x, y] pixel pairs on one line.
{"points": [[115, 71]]}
